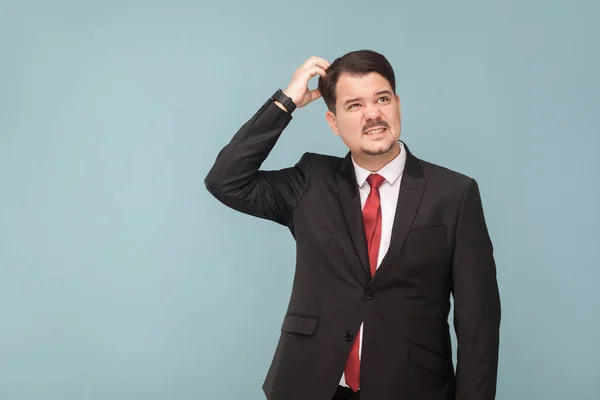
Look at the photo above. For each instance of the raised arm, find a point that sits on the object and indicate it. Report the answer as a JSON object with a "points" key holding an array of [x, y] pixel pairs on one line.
{"points": [[236, 179]]}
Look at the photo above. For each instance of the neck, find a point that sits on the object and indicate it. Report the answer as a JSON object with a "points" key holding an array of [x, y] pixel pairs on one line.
{"points": [[375, 163]]}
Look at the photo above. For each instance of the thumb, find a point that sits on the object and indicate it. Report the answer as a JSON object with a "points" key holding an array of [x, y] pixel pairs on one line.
{"points": [[315, 94]]}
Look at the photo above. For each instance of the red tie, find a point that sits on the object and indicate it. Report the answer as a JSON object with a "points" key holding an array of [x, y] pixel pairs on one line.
{"points": [[372, 222]]}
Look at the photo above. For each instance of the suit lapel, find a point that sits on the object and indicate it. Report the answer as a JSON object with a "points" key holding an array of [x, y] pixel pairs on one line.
{"points": [[412, 187], [350, 203], [411, 190]]}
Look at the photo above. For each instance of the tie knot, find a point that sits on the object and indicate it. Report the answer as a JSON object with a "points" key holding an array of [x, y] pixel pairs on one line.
{"points": [[375, 181]]}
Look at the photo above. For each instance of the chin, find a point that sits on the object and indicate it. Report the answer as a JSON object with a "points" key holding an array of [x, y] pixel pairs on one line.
{"points": [[378, 149]]}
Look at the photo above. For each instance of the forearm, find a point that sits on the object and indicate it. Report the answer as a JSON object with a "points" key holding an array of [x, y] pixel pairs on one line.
{"points": [[477, 330], [236, 180], [238, 163], [477, 309]]}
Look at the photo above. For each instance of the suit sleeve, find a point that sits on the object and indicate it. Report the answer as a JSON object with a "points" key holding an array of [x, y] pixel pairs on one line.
{"points": [[476, 302], [237, 181]]}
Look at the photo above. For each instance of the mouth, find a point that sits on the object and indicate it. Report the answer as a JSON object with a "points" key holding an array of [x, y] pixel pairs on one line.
{"points": [[375, 131]]}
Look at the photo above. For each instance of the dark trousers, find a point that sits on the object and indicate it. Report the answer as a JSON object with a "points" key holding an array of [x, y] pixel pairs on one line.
{"points": [[344, 393]]}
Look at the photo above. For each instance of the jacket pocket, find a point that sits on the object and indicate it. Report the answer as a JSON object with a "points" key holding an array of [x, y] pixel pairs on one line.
{"points": [[300, 324], [428, 359], [427, 228]]}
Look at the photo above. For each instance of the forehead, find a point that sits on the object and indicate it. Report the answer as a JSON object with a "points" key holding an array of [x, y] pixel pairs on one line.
{"points": [[350, 86]]}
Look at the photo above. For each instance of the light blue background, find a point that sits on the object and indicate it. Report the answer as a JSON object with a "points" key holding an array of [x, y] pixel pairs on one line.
{"points": [[121, 278]]}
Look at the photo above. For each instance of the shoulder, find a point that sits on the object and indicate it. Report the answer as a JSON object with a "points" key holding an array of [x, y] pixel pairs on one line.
{"points": [[450, 186], [320, 162], [324, 159], [440, 173], [444, 180]]}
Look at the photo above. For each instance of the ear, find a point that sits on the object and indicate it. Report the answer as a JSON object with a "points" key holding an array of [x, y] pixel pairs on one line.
{"points": [[332, 121]]}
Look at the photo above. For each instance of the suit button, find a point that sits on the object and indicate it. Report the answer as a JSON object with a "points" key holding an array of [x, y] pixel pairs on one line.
{"points": [[369, 294], [348, 336]]}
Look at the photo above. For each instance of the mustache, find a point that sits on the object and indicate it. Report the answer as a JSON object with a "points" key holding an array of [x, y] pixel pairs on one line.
{"points": [[375, 123]]}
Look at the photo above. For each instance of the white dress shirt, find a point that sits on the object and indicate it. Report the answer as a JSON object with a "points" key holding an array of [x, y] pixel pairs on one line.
{"points": [[388, 192]]}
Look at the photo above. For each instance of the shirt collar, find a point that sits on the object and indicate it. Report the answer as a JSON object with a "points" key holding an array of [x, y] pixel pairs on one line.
{"points": [[391, 171]]}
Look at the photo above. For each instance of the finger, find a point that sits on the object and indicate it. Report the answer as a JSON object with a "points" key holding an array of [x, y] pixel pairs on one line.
{"points": [[314, 94], [318, 61], [316, 70], [312, 61], [322, 62], [308, 63]]}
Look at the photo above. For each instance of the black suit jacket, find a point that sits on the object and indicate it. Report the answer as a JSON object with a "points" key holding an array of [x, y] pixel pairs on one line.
{"points": [[439, 247]]}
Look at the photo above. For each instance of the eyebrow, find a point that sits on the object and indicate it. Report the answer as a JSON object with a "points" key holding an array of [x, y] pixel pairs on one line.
{"points": [[376, 94]]}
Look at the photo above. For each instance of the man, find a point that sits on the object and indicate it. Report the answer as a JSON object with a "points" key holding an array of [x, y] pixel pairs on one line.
{"points": [[383, 239]]}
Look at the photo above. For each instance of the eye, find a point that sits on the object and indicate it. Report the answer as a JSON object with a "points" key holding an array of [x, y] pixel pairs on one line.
{"points": [[384, 98], [352, 106]]}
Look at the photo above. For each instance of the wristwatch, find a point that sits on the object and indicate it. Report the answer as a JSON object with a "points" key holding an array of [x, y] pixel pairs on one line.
{"points": [[285, 100]]}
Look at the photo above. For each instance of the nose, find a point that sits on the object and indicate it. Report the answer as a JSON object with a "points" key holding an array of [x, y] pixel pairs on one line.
{"points": [[371, 111]]}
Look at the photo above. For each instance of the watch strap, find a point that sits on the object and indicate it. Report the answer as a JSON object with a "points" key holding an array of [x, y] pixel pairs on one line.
{"points": [[287, 102]]}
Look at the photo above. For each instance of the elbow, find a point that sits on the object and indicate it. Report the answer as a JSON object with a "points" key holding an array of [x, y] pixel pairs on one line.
{"points": [[214, 184], [209, 183], [214, 187], [223, 187]]}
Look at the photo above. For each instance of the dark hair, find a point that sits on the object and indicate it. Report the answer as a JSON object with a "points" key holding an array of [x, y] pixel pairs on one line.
{"points": [[356, 63]]}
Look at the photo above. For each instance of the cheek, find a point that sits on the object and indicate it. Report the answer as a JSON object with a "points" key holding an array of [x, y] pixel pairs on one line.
{"points": [[351, 135], [393, 116], [351, 126]]}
